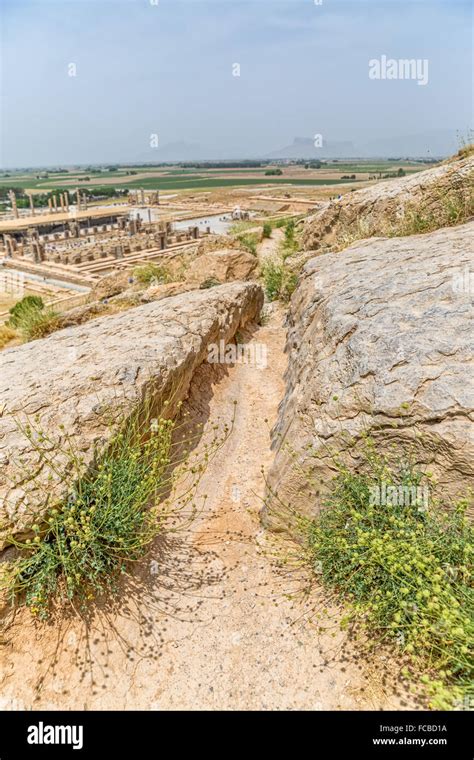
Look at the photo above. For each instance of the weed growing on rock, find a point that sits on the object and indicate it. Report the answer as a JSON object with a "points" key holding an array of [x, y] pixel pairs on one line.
{"points": [[441, 209], [111, 513], [290, 244], [23, 306], [152, 274], [32, 319], [249, 241], [405, 572]]}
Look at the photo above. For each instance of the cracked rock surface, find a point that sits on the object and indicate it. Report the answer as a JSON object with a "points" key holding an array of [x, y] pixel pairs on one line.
{"points": [[78, 376], [381, 339], [373, 208]]}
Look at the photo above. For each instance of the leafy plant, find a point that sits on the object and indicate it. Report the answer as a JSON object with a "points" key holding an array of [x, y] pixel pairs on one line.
{"points": [[32, 319], [111, 510], [152, 274], [279, 281], [23, 307], [404, 572], [103, 523], [249, 241], [290, 244]]}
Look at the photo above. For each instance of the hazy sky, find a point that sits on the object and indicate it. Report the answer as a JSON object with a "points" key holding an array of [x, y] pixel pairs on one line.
{"points": [[165, 68]]}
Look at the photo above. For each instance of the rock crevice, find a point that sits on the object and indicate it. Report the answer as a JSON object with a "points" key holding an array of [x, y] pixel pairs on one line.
{"points": [[402, 372], [76, 378]]}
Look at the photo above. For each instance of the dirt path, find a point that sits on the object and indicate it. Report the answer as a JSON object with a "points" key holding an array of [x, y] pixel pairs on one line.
{"points": [[269, 246], [209, 623]]}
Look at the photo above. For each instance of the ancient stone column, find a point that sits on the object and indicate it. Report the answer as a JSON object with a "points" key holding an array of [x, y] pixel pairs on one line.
{"points": [[38, 252], [50, 205], [32, 205], [8, 246], [55, 203], [12, 197]]}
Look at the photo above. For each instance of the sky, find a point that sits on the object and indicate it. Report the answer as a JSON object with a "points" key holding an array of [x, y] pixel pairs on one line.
{"points": [[97, 81]]}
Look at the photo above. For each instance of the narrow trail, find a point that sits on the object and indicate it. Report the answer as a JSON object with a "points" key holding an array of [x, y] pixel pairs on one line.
{"points": [[269, 246], [209, 622]]}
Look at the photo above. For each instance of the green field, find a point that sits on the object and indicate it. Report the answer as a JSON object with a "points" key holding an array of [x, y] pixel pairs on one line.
{"points": [[182, 178], [195, 182], [201, 182]]}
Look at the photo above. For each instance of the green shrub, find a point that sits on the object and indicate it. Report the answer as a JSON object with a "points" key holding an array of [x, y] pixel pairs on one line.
{"points": [[279, 281], [281, 222], [26, 305], [32, 319], [290, 244], [104, 522], [152, 274], [272, 278], [403, 570], [249, 241], [290, 231], [237, 228], [267, 230], [111, 510], [290, 282]]}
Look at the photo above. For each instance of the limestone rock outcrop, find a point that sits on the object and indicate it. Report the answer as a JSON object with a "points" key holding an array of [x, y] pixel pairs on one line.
{"points": [[223, 265], [436, 193], [381, 340], [77, 377]]}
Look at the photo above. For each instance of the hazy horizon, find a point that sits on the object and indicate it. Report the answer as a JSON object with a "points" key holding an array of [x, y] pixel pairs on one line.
{"points": [[144, 81]]}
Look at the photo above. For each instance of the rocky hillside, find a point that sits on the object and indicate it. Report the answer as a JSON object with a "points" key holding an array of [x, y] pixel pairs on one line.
{"points": [[425, 201], [381, 340]]}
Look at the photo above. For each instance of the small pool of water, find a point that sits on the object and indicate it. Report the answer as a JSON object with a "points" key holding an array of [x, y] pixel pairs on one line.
{"points": [[219, 223]]}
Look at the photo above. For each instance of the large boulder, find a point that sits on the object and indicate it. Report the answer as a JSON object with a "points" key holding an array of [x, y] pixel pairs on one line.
{"points": [[223, 265], [380, 209], [381, 340], [78, 377], [111, 285]]}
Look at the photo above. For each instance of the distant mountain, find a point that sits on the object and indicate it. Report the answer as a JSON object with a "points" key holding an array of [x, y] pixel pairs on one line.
{"points": [[304, 147], [431, 144], [434, 143], [177, 151]]}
